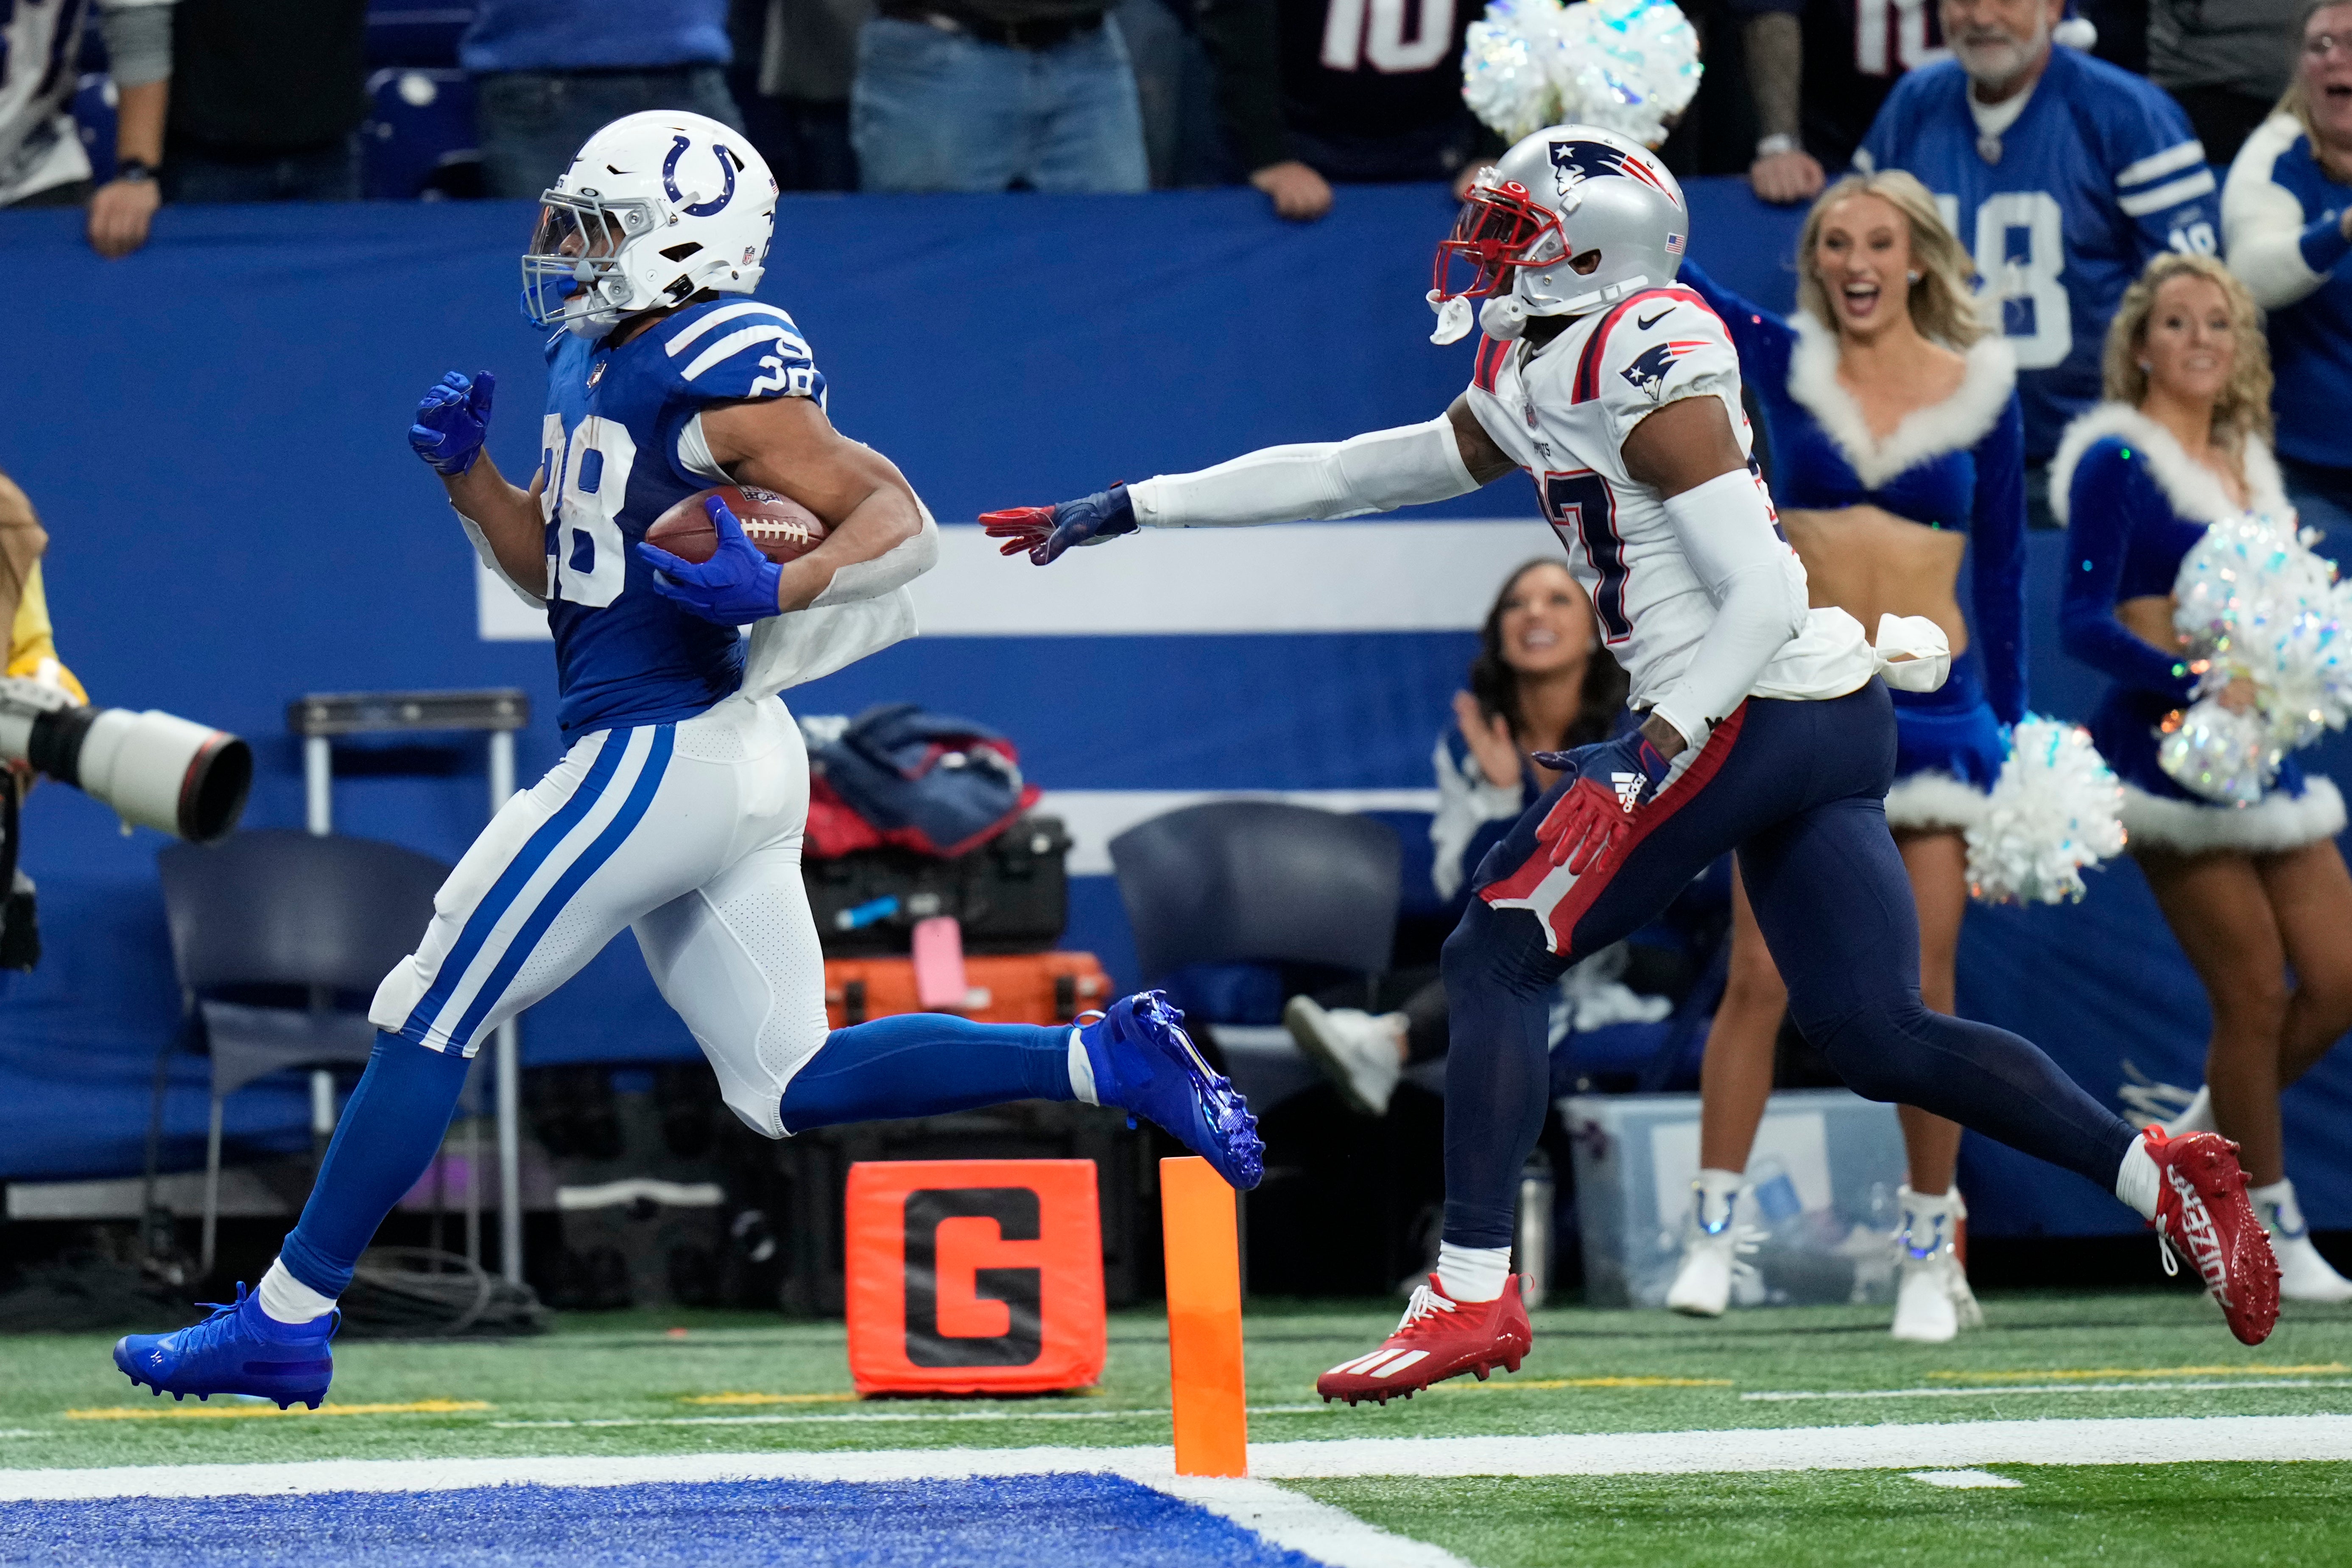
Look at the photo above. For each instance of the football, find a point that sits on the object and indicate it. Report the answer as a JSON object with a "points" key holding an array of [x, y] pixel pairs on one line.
{"points": [[782, 528]]}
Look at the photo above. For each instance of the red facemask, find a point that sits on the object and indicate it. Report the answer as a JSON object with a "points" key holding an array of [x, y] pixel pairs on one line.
{"points": [[1498, 225]]}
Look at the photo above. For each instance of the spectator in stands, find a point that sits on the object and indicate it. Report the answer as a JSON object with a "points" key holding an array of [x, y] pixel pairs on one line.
{"points": [[988, 94], [795, 60], [2250, 891], [266, 100], [550, 73], [42, 161], [2287, 215], [1541, 682], [1818, 70], [29, 652], [2062, 173], [1317, 91], [2224, 64]]}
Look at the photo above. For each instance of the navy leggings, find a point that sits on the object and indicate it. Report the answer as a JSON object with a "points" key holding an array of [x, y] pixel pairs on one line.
{"points": [[1797, 789]]}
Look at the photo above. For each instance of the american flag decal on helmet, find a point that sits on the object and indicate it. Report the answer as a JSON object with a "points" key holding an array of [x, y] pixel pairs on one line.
{"points": [[1674, 245]]}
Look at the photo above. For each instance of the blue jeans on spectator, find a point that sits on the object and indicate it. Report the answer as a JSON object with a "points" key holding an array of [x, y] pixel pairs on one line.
{"points": [[193, 174], [532, 122], [937, 111], [2322, 495]]}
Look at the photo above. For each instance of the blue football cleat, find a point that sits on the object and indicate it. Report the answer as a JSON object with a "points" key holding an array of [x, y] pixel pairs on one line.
{"points": [[238, 1349], [1145, 1063]]}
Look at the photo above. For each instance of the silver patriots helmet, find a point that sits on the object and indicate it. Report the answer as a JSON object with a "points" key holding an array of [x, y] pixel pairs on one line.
{"points": [[1555, 195]]}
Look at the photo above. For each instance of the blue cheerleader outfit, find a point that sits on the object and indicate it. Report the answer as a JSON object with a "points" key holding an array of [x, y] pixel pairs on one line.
{"points": [[2134, 504], [1956, 465]]}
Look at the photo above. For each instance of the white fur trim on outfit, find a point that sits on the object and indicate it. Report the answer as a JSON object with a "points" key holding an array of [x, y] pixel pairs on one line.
{"points": [[2194, 490], [2276, 822], [1960, 420], [1928, 801]]}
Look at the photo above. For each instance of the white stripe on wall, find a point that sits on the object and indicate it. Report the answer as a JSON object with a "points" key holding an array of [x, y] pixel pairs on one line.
{"points": [[1095, 816], [1291, 577]]}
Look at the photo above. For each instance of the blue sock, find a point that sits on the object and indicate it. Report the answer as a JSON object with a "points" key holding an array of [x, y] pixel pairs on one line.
{"points": [[923, 1064], [391, 1131]]}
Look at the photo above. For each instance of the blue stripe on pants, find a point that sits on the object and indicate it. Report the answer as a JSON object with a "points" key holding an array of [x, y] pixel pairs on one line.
{"points": [[615, 834], [512, 882]]}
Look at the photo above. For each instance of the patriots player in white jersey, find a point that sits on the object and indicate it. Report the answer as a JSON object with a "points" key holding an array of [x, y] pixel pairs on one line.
{"points": [[677, 807], [1767, 729]]}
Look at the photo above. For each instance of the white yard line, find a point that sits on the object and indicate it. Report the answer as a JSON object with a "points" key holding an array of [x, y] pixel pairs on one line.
{"points": [[1788, 1395], [1897, 1447], [1967, 1481], [1295, 1521], [580, 1423]]}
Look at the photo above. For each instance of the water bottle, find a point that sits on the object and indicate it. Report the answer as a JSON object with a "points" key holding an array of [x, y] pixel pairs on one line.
{"points": [[1531, 1236]]}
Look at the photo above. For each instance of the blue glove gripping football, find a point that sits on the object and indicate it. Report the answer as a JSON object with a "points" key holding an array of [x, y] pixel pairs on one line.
{"points": [[735, 588], [1043, 532], [452, 419]]}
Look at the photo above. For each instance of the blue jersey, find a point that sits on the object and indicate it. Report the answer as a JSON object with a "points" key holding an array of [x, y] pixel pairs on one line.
{"points": [[621, 444], [2277, 181], [2098, 174], [594, 35]]}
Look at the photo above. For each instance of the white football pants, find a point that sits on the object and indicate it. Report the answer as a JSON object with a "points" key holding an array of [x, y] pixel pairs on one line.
{"points": [[688, 834]]}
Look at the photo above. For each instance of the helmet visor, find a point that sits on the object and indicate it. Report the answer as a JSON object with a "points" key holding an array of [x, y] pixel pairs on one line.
{"points": [[577, 241], [1499, 225]]}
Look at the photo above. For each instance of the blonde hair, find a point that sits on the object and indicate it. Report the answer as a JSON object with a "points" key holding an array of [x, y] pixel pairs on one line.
{"points": [[1943, 301], [2243, 406]]}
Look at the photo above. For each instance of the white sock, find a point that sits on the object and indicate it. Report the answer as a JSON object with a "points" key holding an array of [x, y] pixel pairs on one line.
{"points": [[287, 1299], [1082, 1071], [1473, 1273], [2285, 1219], [2137, 1179], [1713, 1193]]}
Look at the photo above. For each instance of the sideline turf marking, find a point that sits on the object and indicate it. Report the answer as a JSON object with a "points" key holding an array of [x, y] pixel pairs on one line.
{"points": [[1582, 1383], [1158, 1412], [769, 1398], [1964, 1479], [2141, 1440], [1788, 1395], [1295, 1521], [176, 1411], [2247, 1369]]}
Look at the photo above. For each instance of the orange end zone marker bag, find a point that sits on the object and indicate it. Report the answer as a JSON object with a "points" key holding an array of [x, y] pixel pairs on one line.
{"points": [[974, 1276]]}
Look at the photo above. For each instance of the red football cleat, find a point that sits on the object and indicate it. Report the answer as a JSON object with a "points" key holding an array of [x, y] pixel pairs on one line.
{"points": [[1439, 1338], [2201, 1207]]}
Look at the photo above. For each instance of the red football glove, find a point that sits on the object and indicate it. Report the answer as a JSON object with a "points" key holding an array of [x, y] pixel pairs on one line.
{"points": [[1615, 779]]}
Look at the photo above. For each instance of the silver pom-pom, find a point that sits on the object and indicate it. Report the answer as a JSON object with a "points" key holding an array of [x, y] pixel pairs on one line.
{"points": [[1628, 66], [2055, 809], [2254, 603]]}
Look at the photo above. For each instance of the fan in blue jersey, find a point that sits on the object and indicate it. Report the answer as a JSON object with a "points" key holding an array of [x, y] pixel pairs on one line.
{"points": [[678, 808], [2063, 174]]}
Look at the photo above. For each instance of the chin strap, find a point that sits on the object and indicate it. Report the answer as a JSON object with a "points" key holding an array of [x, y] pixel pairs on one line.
{"points": [[1504, 317]]}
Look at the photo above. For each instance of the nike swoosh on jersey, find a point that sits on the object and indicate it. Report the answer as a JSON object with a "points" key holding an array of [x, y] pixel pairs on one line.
{"points": [[1642, 326]]}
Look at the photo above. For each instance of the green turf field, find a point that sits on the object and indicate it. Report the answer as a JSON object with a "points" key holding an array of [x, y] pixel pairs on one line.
{"points": [[702, 1382]]}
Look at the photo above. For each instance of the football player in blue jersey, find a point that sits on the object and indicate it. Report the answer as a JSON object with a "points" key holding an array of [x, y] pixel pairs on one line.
{"points": [[677, 807], [2063, 175]]}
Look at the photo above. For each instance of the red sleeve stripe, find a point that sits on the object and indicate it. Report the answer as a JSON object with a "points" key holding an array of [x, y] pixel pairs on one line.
{"points": [[1588, 364], [1489, 363]]}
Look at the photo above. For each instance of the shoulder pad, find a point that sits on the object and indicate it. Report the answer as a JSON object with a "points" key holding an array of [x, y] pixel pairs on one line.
{"points": [[1660, 337], [737, 348]]}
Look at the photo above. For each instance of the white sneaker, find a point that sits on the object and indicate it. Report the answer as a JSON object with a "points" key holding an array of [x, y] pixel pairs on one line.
{"points": [[2303, 1274], [1712, 1254], [1933, 1301], [1356, 1050], [2197, 1116]]}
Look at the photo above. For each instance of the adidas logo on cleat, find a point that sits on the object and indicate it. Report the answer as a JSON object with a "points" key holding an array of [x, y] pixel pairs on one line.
{"points": [[1629, 789]]}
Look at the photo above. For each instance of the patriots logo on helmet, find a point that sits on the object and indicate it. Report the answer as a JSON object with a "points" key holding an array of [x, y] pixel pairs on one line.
{"points": [[1573, 163], [1649, 371]]}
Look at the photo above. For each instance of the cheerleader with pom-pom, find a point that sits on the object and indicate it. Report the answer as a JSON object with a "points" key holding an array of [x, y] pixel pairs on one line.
{"points": [[2251, 890], [1892, 418]]}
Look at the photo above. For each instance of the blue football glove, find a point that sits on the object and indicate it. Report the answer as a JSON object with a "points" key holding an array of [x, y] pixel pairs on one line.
{"points": [[1043, 532], [452, 418], [735, 588], [1615, 779]]}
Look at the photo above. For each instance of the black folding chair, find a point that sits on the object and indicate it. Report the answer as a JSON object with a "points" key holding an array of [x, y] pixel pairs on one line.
{"points": [[279, 938]]}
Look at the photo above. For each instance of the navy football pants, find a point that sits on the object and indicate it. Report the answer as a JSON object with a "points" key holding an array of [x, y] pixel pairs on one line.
{"points": [[1798, 789]]}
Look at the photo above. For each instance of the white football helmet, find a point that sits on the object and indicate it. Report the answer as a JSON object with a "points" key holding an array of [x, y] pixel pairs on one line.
{"points": [[1555, 195], [656, 207]]}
